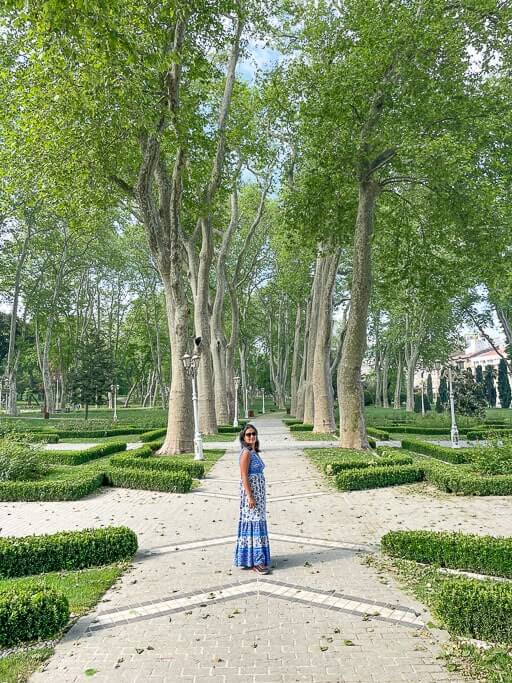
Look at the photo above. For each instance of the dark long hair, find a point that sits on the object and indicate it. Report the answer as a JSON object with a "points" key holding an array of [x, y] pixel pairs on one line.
{"points": [[242, 437]]}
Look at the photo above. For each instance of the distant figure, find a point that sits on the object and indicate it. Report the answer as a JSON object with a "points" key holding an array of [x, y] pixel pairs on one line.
{"points": [[252, 546]]}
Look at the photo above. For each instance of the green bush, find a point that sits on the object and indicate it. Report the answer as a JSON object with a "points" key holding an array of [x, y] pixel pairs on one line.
{"points": [[460, 480], [52, 489], [66, 550], [153, 434], [378, 433], [378, 477], [41, 437], [336, 466], [79, 457], [155, 445], [228, 429], [291, 421], [19, 462], [477, 434], [372, 443], [301, 427], [31, 614], [496, 458], [176, 482], [164, 463], [481, 554], [99, 433], [476, 609], [413, 429], [452, 455]]}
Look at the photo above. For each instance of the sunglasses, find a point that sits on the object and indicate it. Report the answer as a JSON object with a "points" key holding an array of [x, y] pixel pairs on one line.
{"points": [[250, 434]]}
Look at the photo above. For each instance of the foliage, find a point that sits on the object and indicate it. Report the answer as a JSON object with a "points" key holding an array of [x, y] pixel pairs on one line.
{"points": [[25, 555], [468, 397], [131, 460], [489, 385], [92, 374], [19, 462], [153, 434], [504, 384], [377, 477], [178, 482], [452, 455], [495, 457], [380, 434], [77, 457], [442, 395], [481, 554], [430, 390], [31, 615], [349, 462], [68, 488], [476, 609], [462, 481]]}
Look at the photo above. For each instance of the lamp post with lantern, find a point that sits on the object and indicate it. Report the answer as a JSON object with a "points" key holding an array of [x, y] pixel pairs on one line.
{"points": [[114, 388], [236, 381], [191, 365]]}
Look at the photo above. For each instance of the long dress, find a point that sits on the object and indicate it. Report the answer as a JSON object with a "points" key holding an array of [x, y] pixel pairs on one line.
{"points": [[252, 546]]}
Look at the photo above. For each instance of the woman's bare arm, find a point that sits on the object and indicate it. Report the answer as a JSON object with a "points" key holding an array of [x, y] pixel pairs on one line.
{"points": [[245, 460]]}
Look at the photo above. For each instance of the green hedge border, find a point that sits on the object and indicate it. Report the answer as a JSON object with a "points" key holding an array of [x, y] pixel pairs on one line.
{"points": [[378, 477], [65, 550], [150, 463], [31, 614], [451, 455], [481, 554], [81, 457], [54, 489], [173, 482]]}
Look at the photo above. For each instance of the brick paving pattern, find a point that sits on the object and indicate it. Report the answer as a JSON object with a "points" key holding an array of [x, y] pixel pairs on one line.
{"points": [[183, 613]]}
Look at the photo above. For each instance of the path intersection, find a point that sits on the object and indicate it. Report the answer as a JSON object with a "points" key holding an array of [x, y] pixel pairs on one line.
{"points": [[183, 613]]}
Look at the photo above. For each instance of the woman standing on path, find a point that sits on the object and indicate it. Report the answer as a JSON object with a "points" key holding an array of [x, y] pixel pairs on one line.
{"points": [[252, 546]]}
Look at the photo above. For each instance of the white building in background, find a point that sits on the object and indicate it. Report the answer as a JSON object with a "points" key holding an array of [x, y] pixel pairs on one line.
{"points": [[478, 352]]}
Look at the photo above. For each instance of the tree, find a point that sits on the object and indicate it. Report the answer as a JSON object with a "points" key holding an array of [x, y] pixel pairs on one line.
{"points": [[430, 390], [468, 396], [92, 374], [503, 384], [479, 375], [489, 386], [442, 394]]}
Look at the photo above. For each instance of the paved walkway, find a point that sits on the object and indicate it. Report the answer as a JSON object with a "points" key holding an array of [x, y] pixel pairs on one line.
{"points": [[183, 613]]}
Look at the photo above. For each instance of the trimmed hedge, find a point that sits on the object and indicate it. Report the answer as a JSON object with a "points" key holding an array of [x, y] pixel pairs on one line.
{"points": [[461, 481], [301, 427], [153, 434], [228, 429], [66, 550], [31, 614], [481, 554], [476, 609], [337, 466], [98, 433], [175, 482], [433, 431], [378, 477], [79, 457], [291, 421], [451, 455], [378, 433], [52, 489], [486, 433], [41, 437], [159, 464]]}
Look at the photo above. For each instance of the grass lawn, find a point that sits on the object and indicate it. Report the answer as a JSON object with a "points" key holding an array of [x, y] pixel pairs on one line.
{"points": [[17, 668], [310, 436], [491, 666], [82, 588], [210, 457], [219, 438]]}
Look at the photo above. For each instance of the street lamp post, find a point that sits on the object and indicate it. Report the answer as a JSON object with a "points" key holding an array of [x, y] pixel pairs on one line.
{"points": [[236, 380], [263, 399], [191, 364], [454, 433], [114, 388]]}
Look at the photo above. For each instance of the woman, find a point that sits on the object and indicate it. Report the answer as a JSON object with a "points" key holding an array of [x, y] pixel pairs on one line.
{"points": [[252, 547]]}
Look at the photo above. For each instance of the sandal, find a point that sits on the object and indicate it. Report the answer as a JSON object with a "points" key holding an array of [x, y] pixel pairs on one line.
{"points": [[261, 569]]}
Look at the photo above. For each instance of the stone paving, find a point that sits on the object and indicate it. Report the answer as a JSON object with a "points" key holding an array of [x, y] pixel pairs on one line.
{"points": [[183, 613]]}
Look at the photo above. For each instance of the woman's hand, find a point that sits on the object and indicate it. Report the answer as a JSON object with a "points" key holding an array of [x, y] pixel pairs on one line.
{"points": [[251, 502]]}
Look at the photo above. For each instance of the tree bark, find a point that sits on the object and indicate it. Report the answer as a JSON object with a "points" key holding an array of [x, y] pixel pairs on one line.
{"points": [[295, 361], [385, 380], [323, 404], [398, 385], [299, 413], [309, 405], [350, 393]]}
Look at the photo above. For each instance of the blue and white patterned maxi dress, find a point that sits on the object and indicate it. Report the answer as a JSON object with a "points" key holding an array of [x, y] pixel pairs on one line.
{"points": [[252, 546]]}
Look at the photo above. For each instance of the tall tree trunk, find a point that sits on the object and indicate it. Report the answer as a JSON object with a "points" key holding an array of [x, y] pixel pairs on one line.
{"points": [[323, 410], [309, 405], [505, 324], [411, 354], [385, 380], [301, 392], [295, 361], [350, 393], [130, 392], [398, 385], [12, 355]]}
